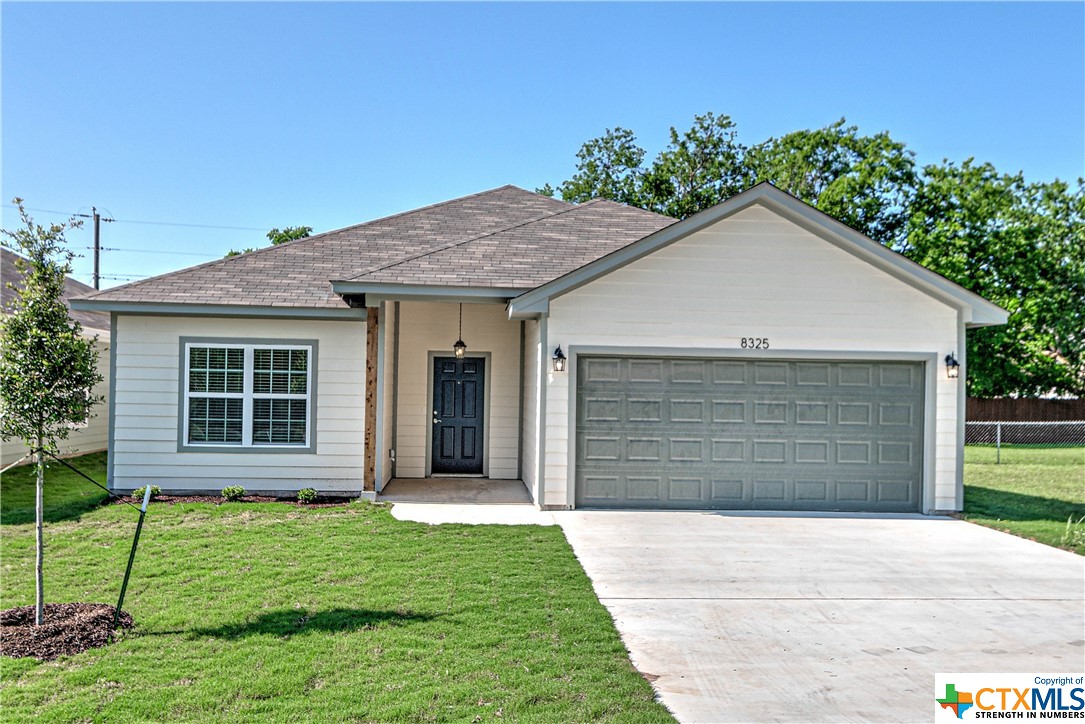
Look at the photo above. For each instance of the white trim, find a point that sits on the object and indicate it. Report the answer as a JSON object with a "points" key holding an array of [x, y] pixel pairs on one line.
{"points": [[247, 396]]}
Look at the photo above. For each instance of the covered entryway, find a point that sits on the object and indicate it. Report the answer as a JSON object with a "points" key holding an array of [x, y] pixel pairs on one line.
{"points": [[687, 433]]}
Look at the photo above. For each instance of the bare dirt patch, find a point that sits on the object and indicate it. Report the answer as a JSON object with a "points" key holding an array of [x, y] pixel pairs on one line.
{"points": [[68, 628]]}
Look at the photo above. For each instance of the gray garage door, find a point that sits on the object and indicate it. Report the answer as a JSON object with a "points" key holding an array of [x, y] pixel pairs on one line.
{"points": [[748, 435]]}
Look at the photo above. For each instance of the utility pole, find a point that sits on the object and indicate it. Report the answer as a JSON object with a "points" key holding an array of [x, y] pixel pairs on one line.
{"points": [[97, 243]]}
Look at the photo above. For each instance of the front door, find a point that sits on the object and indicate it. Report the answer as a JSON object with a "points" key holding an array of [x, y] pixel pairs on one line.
{"points": [[458, 386]]}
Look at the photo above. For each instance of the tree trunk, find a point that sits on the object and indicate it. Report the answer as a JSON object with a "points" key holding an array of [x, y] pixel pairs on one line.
{"points": [[39, 505]]}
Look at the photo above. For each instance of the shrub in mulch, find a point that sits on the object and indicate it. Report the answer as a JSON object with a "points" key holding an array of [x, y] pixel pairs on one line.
{"points": [[68, 628], [322, 501]]}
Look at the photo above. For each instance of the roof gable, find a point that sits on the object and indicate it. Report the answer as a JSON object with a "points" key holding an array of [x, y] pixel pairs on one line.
{"points": [[979, 311]]}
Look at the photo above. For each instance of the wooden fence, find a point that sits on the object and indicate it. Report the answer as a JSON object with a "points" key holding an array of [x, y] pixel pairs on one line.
{"points": [[1008, 409]]}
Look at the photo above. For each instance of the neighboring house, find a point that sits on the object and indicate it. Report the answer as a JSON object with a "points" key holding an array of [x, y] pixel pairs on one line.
{"points": [[93, 435], [758, 355]]}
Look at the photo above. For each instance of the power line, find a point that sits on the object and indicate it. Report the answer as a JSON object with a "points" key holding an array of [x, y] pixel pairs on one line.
{"points": [[195, 226], [134, 221], [151, 251]]}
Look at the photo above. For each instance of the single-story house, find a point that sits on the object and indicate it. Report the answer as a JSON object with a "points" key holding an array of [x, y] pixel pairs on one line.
{"points": [[92, 435], [757, 355]]}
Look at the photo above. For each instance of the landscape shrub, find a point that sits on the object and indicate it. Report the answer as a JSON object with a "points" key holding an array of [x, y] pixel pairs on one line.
{"points": [[233, 492], [307, 495], [138, 492]]}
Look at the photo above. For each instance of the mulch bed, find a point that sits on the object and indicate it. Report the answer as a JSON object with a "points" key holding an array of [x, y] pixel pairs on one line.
{"points": [[68, 628], [322, 501]]}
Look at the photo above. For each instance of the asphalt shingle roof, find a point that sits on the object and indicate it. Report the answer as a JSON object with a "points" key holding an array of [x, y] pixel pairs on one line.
{"points": [[10, 277], [507, 237], [530, 254]]}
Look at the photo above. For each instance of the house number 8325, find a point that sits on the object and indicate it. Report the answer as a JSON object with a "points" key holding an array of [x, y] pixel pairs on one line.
{"points": [[755, 343]]}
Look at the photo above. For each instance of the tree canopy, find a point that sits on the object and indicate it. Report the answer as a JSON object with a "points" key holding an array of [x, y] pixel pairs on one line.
{"points": [[276, 237], [1019, 244]]}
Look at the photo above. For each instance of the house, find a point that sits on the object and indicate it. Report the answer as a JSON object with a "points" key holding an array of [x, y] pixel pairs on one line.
{"points": [[88, 437], [757, 355]]}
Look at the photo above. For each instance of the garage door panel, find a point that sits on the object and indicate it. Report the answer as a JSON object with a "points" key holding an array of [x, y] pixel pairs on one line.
{"points": [[812, 374], [724, 411], [644, 450], [729, 373], [596, 370], [650, 371], [811, 491], [645, 409], [726, 434]]}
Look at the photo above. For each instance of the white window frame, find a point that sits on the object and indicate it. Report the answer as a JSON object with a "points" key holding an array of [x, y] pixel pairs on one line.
{"points": [[247, 395]]}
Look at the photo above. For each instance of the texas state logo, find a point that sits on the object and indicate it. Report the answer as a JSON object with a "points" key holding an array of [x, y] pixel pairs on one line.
{"points": [[971, 697], [956, 701]]}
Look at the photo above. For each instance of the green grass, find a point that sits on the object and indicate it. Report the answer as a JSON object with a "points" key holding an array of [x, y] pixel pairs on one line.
{"points": [[277, 613], [67, 496], [1036, 492]]}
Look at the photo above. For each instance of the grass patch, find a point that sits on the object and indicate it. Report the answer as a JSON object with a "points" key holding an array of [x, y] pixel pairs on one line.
{"points": [[1036, 492], [253, 611], [66, 497]]}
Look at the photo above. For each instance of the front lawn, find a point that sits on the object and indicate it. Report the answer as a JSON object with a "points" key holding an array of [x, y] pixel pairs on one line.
{"points": [[273, 612], [1032, 493]]}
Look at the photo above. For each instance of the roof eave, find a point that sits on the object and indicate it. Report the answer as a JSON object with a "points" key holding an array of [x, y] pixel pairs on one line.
{"points": [[376, 292], [174, 309]]}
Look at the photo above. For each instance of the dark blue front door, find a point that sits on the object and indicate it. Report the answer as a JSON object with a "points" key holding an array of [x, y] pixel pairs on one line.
{"points": [[458, 386]]}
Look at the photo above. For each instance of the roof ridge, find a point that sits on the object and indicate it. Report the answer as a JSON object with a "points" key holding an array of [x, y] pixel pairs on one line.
{"points": [[479, 237], [292, 242]]}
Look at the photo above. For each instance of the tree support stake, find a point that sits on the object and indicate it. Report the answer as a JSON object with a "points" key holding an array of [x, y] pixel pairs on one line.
{"points": [[132, 555]]}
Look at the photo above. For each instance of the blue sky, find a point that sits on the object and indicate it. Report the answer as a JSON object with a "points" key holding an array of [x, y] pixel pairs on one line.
{"points": [[276, 114]]}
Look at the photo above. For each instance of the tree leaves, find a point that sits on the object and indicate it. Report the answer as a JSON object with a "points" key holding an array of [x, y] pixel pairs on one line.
{"points": [[1018, 244], [1022, 246], [47, 368], [276, 237]]}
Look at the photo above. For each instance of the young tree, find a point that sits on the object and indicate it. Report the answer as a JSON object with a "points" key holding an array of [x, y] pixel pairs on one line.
{"points": [[47, 368]]}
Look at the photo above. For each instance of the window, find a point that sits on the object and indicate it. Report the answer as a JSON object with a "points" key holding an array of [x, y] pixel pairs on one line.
{"points": [[247, 395]]}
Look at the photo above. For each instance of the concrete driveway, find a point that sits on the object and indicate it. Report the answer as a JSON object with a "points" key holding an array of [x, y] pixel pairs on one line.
{"points": [[822, 617]]}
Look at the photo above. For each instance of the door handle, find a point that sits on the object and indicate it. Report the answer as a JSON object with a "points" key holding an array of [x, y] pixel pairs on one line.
{"points": [[435, 421]]}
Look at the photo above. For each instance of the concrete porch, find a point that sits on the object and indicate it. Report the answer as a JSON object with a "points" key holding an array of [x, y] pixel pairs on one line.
{"points": [[455, 491]]}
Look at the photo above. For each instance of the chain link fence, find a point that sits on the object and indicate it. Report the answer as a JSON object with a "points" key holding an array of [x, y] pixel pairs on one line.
{"points": [[999, 435]]}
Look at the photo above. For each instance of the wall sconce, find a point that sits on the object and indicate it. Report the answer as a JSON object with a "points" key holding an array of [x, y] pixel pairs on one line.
{"points": [[459, 349], [953, 367], [559, 360]]}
